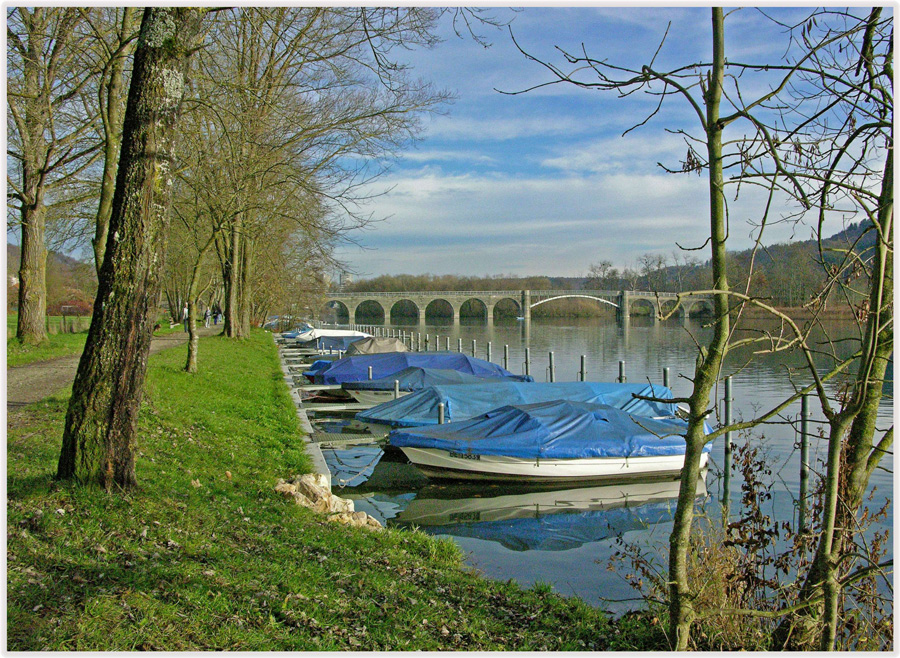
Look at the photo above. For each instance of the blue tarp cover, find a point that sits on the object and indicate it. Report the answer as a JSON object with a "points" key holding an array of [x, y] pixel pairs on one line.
{"points": [[552, 430], [355, 368], [415, 378], [462, 402]]}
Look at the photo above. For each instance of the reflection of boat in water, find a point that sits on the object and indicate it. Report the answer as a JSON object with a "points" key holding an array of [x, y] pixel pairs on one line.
{"points": [[540, 519]]}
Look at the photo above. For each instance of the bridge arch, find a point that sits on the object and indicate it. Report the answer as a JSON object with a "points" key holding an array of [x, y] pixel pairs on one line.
{"points": [[340, 310], [666, 305], [369, 311], [506, 307], [440, 311], [642, 307], [474, 307], [404, 311], [700, 308]]}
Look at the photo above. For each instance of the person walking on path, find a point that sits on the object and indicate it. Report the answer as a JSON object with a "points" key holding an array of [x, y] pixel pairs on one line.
{"points": [[207, 314], [184, 317]]}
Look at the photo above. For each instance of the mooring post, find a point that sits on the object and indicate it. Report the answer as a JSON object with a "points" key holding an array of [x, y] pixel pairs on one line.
{"points": [[396, 388], [506, 357], [489, 351], [427, 339], [726, 484], [527, 361], [370, 373], [804, 458], [666, 377], [448, 344], [582, 374], [459, 345], [473, 348], [418, 341], [552, 369], [622, 378], [440, 413]]}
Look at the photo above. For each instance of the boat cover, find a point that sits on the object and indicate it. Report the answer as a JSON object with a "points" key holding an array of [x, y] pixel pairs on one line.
{"points": [[559, 429], [372, 345], [415, 378], [460, 403], [356, 368]]}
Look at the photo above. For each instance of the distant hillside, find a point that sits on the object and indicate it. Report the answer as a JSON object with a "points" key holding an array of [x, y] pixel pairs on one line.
{"points": [[788, 274], [70, 282]]}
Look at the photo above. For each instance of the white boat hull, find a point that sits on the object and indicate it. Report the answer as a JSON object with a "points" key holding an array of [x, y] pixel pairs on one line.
{"points": [[373, 397], [445, 464]]}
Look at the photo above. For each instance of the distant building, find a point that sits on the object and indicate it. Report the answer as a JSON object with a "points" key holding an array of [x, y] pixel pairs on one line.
{"points": [[346, 280]]}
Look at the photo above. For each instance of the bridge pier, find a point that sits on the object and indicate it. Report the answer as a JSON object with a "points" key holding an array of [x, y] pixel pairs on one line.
{"points": [[526, 305]]}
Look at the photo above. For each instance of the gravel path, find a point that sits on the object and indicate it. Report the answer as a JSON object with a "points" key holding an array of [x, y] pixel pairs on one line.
{"points": [[33, 382]]}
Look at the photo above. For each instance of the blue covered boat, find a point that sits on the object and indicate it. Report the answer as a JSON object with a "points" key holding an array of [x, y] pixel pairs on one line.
{"points": [[552, 441], [463, 402], [414, 378], [356, 368]]}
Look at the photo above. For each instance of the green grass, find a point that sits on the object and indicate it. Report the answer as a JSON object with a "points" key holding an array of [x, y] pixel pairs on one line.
{"points": [[60, 342], [205, 555]]}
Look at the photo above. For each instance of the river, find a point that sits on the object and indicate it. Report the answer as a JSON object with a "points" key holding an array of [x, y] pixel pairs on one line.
{"points": [[567, 538]]}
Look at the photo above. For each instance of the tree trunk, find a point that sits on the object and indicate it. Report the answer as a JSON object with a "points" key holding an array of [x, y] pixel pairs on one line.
{"points": [[112, 125], [246, 286], [231, 274], [681, 612], [30, 326], [102, 417]]}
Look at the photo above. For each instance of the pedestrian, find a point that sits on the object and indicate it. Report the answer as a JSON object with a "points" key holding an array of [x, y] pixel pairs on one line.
{"points": [[184, 316], [206, 316]]}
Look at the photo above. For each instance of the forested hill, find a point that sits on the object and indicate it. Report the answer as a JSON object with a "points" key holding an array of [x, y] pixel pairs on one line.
{"points": [[786, 273], [70, 282]]}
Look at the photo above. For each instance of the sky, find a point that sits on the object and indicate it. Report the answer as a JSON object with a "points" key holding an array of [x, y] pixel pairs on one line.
{"points": [[544, 182]]}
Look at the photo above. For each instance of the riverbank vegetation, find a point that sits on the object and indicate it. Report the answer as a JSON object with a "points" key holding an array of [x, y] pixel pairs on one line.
{"points": [[204, 554]]}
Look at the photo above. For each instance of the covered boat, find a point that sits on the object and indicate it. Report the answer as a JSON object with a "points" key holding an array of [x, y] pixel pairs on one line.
{"points": [[356, 368], [373, 345], [559, 440], [414, 378], [331, 339], [463, 402]]}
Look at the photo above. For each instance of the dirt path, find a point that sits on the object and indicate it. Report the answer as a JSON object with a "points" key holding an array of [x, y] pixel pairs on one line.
{"points": [[33, 382]]}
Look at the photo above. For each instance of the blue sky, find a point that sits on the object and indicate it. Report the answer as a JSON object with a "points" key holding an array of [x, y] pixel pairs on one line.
{"points": [[544, 182]]}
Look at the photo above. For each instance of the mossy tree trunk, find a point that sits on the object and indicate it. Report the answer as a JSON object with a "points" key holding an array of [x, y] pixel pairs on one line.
{"points": [[98, 440]]}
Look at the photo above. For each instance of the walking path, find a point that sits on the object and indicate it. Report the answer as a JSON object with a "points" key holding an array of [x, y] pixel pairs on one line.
{"points": [[35, 381]]}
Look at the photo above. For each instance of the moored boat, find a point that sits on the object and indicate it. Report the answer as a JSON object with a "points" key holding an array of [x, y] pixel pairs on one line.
{"points": [[557, 441], [414, 378]]}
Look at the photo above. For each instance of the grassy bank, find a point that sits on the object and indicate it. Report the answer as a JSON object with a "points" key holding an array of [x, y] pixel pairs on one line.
{"points": [[205, 555], [65, 337]]}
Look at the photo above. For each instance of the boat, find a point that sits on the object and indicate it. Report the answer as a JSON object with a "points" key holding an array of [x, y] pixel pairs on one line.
{"points": [[330, 339], [556, 441], [356, 368], [421, 407], [414, 378], [373, 345]]}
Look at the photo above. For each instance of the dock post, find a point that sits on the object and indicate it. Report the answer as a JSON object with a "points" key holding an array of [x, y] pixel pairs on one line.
{"points": [[418, 341], [448, 343], [473, 348], [488, 351], [666, 377], [440, 413], [622, 378], [459, 345], [552, 369], [370, 373], [396, 388], [527, 360], [506, 357], [582, 374], [804, 459], [427, 340], [726, 485]]}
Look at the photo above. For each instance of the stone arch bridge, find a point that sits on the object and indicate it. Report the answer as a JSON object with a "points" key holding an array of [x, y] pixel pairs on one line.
{"points": [[626, 302]]}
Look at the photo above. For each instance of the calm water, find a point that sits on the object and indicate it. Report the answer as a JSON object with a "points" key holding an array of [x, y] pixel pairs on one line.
{"points": [[566, 538]]}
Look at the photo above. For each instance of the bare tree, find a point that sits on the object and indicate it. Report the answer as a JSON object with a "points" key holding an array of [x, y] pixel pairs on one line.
{"points": [[47, 133], [766, 157]]}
